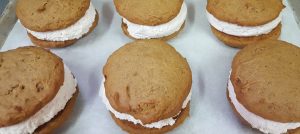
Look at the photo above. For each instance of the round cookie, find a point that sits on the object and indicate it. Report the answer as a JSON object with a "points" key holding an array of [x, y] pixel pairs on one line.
{"points": [[266, 80], [25, 84], [124, 28], [150, 12], [148, 80], [49, 15], [245, 12], [60, 44], [240, 42]]}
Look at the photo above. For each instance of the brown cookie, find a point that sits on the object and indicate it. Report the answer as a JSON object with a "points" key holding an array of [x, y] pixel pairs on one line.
{"points": [[148, 12], [266, 80], [25, 84], [147, 79], [245, 12], [240, 42], [49, 15], [124, 28], [138, 129], [60, 44], [60, 118]]}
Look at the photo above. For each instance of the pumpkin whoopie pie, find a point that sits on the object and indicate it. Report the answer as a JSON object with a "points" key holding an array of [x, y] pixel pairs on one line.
{"points": [[238, 23], [264, 86], [37, 91], [147, 87], [57, 23], [152, 18]]}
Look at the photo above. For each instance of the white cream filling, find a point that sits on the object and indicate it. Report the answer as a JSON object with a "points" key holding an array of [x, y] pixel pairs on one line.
{"points": [[264, 125], [123, 116], [49, 111], [75, 31], [243, 31], [148, 32]]}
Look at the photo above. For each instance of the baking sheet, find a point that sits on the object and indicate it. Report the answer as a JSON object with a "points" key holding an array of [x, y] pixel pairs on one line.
{"points": [[209, 59]]}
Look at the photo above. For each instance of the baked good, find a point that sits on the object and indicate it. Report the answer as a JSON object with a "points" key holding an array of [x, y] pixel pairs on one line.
{"points": [[37, 91], [264, 86], [57, 23], [239, 23], [147, 87], [153, 19]]}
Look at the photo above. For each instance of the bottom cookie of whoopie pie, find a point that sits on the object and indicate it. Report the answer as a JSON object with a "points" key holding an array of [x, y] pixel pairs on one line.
{"points": [[240, 42], [60, 118], [61, 44], [139, 129], [124, 28]]}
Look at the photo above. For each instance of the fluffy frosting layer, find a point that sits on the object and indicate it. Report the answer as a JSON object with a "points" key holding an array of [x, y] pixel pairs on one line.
{"points": [[45, 114], [242, 31], [123, 116], [75, 31], [264, 125], [149, 32]]}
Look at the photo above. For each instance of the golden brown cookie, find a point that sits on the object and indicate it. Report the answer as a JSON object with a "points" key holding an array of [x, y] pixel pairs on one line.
{"points": [[124, 28], [240, 42], [60, 118], [147, 79], [49, 15], [138, 129], [245, 12], [148, 12], [266, 80], [25, 84], [60, 44]]}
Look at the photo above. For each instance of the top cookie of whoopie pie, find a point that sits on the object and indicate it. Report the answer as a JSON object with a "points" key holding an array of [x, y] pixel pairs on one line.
{"points": [[25, 84], [49, 15], [266, 80], [149, 12], [148, 80]]}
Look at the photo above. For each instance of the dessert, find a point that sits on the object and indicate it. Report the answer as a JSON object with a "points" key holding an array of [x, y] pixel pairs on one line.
{"points": [[37, 93], [57, 23], [238, 23], [147, 87], [264, 86], [153, 19]]}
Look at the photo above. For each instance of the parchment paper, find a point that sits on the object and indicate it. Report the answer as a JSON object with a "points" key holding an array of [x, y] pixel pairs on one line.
{"points": [[209, 59]]}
